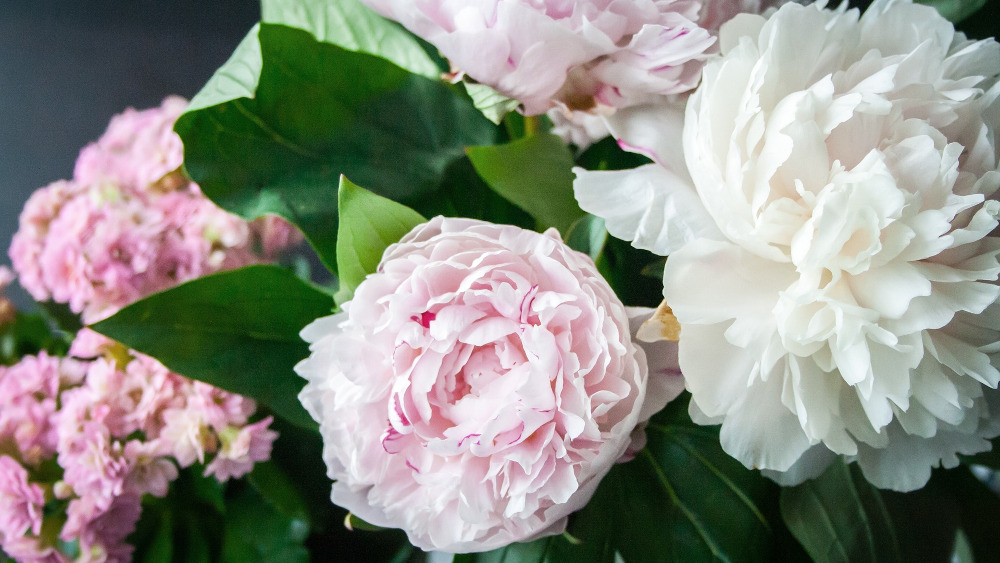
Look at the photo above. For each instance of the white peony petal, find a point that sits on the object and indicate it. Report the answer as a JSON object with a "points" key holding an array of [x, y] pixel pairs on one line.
{"points": [[650, 206]]}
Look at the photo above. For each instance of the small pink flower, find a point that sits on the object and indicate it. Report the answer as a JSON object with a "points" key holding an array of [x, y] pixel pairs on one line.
{"points": [[21, 502], [241, 449], [27, 549], [28, 403], [476, 388]]}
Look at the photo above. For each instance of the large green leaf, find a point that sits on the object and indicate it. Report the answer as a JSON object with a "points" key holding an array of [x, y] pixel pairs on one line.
{"points": [[682, 499], [353, 26], [535, 173], [346, 23], [368, 225], [840, 517], [237, 330], [319, 111]]}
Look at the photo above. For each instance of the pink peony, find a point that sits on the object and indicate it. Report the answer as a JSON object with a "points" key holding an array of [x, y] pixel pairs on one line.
{"points": [[476, 388], [578, 55]]}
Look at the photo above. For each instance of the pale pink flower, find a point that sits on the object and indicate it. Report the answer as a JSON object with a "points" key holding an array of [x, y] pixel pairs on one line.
{"points": [[550, 53], [240, 449], [28, 549], [151, 470], [21, 502], [476, 388], [101, 531], [138, 149], [28, 401]]}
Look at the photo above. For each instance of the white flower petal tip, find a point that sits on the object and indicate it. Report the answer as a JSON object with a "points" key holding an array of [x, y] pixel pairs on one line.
{"points": [[836, 274], [477, 387]]}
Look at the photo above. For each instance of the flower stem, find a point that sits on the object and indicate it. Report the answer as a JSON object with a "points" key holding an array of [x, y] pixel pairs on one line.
{"points": [[530, 126]]}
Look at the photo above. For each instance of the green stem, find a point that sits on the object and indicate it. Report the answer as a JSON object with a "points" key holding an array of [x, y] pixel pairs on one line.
{"points": [[530, 126]]}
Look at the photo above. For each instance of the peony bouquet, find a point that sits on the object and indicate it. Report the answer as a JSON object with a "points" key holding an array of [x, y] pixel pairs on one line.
{"points": [[529, 281]]}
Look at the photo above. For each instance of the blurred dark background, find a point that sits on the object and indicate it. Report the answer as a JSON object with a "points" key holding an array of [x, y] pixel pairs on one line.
{"points": [[67, 66]]}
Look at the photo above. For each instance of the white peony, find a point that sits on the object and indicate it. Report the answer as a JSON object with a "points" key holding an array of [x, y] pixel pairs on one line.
{"points": [[831, 262]]}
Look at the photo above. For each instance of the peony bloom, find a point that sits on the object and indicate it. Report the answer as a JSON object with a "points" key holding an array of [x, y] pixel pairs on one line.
{"points": [[476, 388], [576, 55], [830, 259], [129, 224]]}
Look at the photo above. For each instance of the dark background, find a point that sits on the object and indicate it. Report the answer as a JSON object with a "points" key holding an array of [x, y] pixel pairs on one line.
{"points": [[67, 66]]}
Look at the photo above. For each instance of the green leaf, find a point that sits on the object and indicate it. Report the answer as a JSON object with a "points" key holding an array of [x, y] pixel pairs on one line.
{"points": [[237, 330], [278, 491], [29, 334], [464, 194], [184, 525], [368, 224], [978, 507], [955, 10], [255, 531], [588, 235], [535, 173], [840, 517], [493, 104], [353, 26], [236, 78], [318, 111], [681, 500]]}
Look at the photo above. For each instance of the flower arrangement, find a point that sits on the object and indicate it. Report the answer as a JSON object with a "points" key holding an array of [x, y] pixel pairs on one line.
{"points": [[592, 281]]}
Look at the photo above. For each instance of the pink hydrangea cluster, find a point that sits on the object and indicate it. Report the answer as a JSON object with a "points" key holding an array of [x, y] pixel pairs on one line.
{"points": [[118, 425], [130, 224]]}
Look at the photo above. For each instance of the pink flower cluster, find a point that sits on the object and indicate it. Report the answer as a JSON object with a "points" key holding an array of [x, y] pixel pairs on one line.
{"points": [[118, 426], [129, 224], [83, 439]]}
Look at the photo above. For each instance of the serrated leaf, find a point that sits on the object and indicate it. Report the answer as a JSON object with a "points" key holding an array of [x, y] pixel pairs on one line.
{"points": [[283, 149], [534, 173], [587, 235], [368, 225], [353, 26], [840, 517], [237, 330], [493, 104]]}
